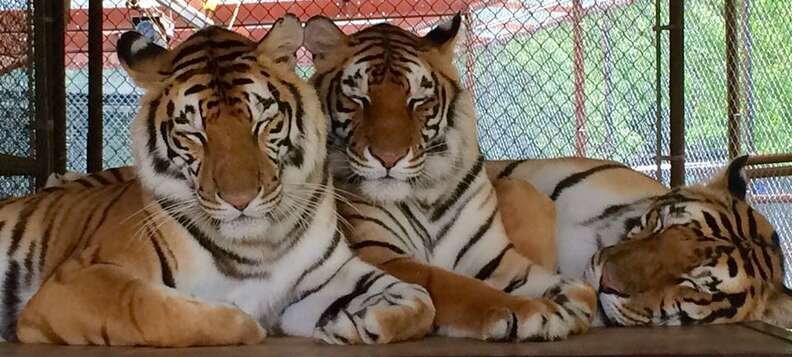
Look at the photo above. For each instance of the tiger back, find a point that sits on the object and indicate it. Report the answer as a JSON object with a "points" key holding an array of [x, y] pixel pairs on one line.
{"points": [[697, 254], [95, 179]]}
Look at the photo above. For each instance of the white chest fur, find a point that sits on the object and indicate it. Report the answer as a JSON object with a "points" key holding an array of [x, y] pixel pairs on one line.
{"points": [[261, 297]]}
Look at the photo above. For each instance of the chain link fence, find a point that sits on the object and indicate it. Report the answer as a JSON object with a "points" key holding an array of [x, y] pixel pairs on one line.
{"points": [[550, 78], [738, 96], [16, 89]]}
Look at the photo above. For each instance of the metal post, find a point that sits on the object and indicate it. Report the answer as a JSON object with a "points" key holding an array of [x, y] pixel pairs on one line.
{"points": [[43, 124], [676, 89], [50, 123], [58, 83], [658, 92], [95, 143], [732, 76], [580, 95]]}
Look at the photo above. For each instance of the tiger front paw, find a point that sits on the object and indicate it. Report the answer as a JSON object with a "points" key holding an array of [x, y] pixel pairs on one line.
{"points": [[565, 309], [399, 312], [237, 326]]}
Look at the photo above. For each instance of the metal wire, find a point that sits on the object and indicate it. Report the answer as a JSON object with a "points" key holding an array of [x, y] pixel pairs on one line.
{"points": [[763, 113], [16, 89]]}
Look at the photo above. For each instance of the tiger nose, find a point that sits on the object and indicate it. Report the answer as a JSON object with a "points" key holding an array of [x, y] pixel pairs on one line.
{"points": [[240, 200], [388, 158]]}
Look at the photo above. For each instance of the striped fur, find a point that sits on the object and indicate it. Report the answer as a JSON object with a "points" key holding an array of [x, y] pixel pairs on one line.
{"points": [[96, 179], [228, 229], [692, 255], [403, 146]]}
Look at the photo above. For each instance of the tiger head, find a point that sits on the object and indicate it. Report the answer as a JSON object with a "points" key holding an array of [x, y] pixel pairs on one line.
{"points": [[225, 124], [400, 123], [700, 254]]}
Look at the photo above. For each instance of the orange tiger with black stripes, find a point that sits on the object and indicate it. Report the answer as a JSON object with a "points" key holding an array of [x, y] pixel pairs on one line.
{"points": [[228, 231], [403, 147], [696, 254]]}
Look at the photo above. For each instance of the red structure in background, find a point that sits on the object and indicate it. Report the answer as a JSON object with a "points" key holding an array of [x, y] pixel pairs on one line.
{"points": [[13, 40], [254, 19]]}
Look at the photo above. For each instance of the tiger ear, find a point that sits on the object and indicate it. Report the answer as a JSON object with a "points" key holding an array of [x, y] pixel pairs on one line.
{"points": [[324, 39], [145, 62], [444, 35], [733, 178], [281, 43]]}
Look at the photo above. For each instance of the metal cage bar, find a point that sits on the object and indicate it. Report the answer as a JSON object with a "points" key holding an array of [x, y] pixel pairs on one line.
{"points": [[50, 126], [95, 142], [676, 90]]}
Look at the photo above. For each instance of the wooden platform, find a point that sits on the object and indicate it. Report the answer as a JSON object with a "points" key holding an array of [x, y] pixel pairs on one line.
{"points": [[749, 339]]}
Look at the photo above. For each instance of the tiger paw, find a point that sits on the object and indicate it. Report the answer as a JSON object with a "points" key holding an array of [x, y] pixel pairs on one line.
{"points": [[237, 326], [400, 312], [565, 309]]}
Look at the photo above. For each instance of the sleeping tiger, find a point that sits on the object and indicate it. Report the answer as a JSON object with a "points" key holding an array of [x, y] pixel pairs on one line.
{"points": [[230, 224], [403, 146], [692, 255]]}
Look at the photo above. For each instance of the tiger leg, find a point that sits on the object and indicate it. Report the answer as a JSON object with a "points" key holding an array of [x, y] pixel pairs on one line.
{"points": [[529, 217], [465, 307], [553, 307], [105, 304], [360, 304]]}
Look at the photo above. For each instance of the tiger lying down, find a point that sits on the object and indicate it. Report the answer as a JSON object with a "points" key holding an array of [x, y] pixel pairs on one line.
{"points": [[403, 146], [483, 311], [729, 270], [420, 206], [431, 218], [692, 255], [230, 225]]}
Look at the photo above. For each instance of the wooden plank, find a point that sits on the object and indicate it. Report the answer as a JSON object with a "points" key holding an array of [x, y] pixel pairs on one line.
{"points": [[721, 340]]}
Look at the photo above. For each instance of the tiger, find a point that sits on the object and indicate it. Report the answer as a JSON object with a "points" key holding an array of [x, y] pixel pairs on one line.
{"points": [[696, 254], [620, 198], [403, 148], [95, 179], [226, 230]]}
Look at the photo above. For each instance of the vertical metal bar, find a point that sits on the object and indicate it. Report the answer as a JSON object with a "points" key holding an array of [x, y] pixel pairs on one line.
{"points": [[57, 73], [95, 142], [30, 17], [580, 95], [658, 27], [43, 123], [676, 89], [49, 62], [732, 76]]}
